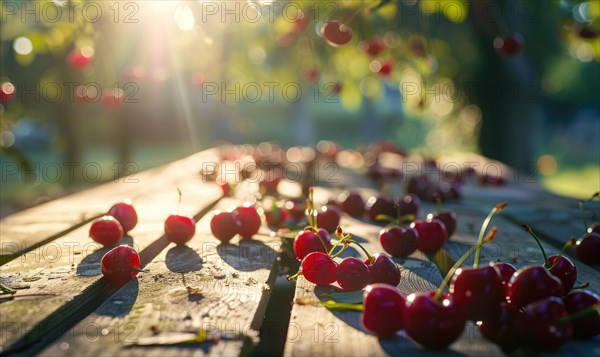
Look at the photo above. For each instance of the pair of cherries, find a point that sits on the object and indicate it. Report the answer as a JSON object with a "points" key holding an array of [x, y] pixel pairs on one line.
{"points": [[109, 229], [243, 220]]}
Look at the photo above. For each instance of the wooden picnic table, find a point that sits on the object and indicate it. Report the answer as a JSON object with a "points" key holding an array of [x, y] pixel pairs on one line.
{"points": [[208, 298]]}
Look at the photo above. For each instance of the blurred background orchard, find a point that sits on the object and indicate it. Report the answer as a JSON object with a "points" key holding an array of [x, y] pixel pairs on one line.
{"points": [[95, 90]]}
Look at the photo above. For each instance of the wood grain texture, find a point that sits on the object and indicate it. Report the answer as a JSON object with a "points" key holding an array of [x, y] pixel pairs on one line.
{"points": [[205, 286], [63, 276], [31, 228]]}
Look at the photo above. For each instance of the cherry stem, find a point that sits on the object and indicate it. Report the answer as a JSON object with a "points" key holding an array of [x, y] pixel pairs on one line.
{"points": [[582, 285], [438, 201], [499, 207], [581, 313], [316, 231], [458, 264], [139, 270], [547, 264], [310, 209], [363, 249], [7, 290], [342, 237], [295, 276], [179, 200]]}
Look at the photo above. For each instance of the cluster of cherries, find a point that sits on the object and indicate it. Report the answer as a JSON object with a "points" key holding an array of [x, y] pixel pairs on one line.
{"points": [[243, 220], [532, 306]]}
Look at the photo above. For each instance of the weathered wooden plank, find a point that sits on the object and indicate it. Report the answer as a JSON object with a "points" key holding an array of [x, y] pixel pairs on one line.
{"points": [[31, 228], [63, 276], [221, 289]]}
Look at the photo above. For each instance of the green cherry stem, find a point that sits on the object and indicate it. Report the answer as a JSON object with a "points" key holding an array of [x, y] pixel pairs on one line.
{"points": [[7, 290], [547, 265], [310, 209], [369, 257], [438, 201], [581, 313], [316, 231], [499, 207], [342, 237], [571, 242]]}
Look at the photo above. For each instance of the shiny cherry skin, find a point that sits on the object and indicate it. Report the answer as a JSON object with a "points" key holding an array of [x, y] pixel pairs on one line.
{"points": [[179, 229], [588, 326], [539, 324], [478, 290], [383, 309], [336, 34], [532, 283], [501, 328], [383, 270], [328, 218], [276, 216], [125, 214], [588, 249], [224, 226], [433, 324], [249, 221], [431, 235], [119, 265], [564, 269], [352, 203], [448, 218], [409, 204], [506, 272], [381, 205], [307, 241], [319, 268], [352, 274], [398, 241], [106, 231]]}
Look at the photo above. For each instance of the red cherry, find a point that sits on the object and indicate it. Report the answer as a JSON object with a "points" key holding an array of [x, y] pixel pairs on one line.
{"points": [[409, 204], [80, 59], [383, 309], [540, 324], [564, 269], [433, 324], [7, 92], [448, 218], [319, 268], [383, 270], [398, 242], [372, 47], [501, 328], [381, 205], [296, 207], [479, 291], [249, 221], [307, 241], [588, 249], [328, 218], [268, 185], [179, 229], [586, 326], [352, 203], [336, 34], [506, 272], [431, 235], [125, 214], [276, 216], [113, 98], [531, 284], [509, 45], [386, 68], [224, 225], [352, 274], [106, 231], [120, 265]]}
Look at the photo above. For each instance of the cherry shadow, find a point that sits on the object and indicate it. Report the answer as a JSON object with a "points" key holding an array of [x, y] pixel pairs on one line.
{"points": [[90, 264], [183, 259], [248, 254], [121, 303]]}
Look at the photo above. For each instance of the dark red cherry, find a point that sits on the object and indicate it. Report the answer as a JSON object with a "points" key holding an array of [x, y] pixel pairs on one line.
{"points": [[479, 291], [506, 272], [432, 323], [125, 214], [307, 241], [532, 283], [383, 308], [319, 268], [398, 241], [586, 326], [383, 270], [106, 231], [564, 269], [409, 204], [448, 218], [276, 215], [328, 218], [417, 185], [587, 32], [249, 221], [431, 235], [352, 203], [119, 265], [336, 34], [352, 274], [179, 229], [224, 226], [502, 328], [540, 324], [588, 248], [510, 45], [381, 205]]}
